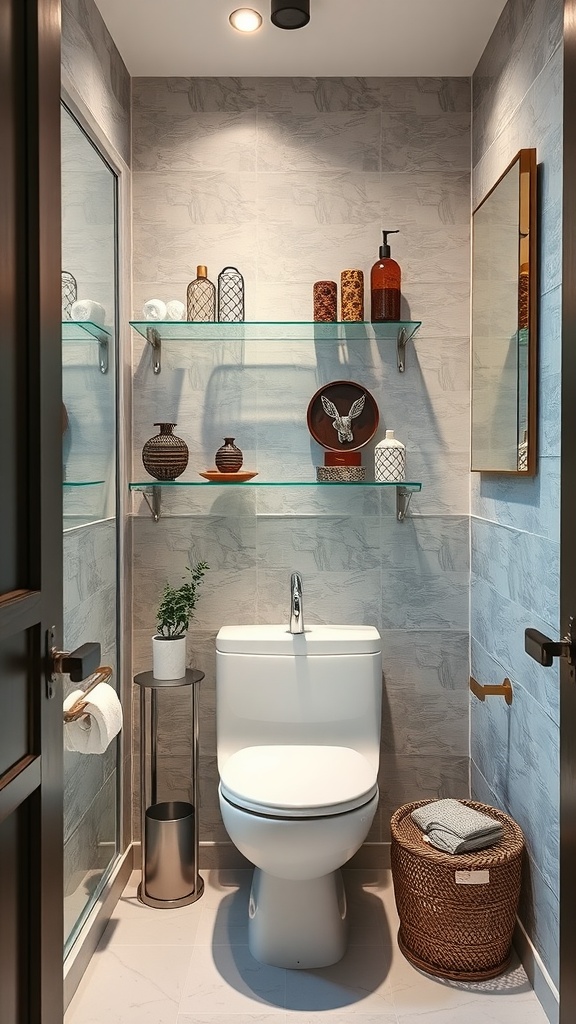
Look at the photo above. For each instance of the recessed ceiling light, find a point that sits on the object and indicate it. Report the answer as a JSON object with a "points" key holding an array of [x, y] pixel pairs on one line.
{"points": [[290, 13], [245, 19]]}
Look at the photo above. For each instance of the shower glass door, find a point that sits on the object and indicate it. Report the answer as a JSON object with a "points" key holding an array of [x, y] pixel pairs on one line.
{"points": [[90, 500]]}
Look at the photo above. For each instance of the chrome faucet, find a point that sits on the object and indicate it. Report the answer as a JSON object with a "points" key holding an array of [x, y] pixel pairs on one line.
{"points": [[296, 609]]}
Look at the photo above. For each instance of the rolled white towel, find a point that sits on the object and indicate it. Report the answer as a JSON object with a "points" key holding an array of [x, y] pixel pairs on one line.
{"points": [[101, 722], [154, 309], [88, 309], [175, 310]]}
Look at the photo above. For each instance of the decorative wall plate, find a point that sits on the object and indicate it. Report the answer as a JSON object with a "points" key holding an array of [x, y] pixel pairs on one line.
{"points": [[342, 416], [216, 477]]}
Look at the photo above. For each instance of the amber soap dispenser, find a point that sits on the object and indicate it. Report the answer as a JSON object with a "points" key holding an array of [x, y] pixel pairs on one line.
{"points": [[385, 278]]}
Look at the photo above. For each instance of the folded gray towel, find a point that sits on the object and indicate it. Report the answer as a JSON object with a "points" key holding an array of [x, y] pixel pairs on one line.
{"points": [[454, 828]]}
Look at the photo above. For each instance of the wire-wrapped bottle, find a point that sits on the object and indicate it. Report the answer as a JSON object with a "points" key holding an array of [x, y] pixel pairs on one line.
{"points": [[230, 296], [201, 297]]}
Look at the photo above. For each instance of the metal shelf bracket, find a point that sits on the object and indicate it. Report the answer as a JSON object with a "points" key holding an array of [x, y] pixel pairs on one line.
{"points": [[401, 342], [403, 499], [155, 505], [153, 338], [103, 350]]}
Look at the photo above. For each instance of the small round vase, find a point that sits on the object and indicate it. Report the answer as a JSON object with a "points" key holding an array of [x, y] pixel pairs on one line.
{"points": [[165, 456], [228, 458]]}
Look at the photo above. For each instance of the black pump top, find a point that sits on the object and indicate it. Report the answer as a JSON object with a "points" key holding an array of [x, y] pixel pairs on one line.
{"points": [[385, 249]]}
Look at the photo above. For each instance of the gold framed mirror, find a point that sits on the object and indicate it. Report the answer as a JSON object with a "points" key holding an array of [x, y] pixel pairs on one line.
{"points": [[504, 323]]}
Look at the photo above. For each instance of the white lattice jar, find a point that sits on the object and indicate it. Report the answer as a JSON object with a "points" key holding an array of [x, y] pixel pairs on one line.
{"points": [[389, 459]]}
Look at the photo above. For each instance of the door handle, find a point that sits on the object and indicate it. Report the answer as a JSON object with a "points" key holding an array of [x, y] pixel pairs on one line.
{"points": [[543, 649], [79, 664]]}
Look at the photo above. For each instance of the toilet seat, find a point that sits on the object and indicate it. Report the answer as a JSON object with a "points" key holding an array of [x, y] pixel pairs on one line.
{"points": [[298, 781]]}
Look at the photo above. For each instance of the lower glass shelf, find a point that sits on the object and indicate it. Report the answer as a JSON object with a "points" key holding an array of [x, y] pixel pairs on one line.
{"points": [[412, 485], [153, 489], [81, 483]]}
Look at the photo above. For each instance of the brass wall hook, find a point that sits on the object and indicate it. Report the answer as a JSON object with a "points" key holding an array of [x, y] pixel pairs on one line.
{"points": [[504, 690]]}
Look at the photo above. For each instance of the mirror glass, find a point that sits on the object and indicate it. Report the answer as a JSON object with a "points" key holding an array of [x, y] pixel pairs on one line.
{"points": [[504, 322], [89, 464]]}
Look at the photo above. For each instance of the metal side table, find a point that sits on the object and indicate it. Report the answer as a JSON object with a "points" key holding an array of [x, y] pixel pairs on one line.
{"points": [[169, 829]]}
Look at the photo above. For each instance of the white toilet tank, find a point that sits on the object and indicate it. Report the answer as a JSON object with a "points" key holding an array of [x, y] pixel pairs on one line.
{"points": [[321, 687]]}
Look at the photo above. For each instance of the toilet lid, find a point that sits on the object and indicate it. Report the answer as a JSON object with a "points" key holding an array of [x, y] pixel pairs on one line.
{"points": [[298, 781]]}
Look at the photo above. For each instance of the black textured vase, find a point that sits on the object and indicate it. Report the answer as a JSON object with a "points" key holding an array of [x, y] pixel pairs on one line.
{"points": [[228, 458], [165, 456]]}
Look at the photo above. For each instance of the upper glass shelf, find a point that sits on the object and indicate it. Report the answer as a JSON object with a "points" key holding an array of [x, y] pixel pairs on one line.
{"points": [[278, 330], [139, 485], [83, 330]]}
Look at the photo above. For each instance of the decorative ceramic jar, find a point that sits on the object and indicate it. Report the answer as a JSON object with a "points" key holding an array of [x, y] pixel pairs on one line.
{"points": [[69, 294], [325, 294], [352, 295], [169, 657], [228, 458], [230, 296], [165, 456], [201, 297], [523, 454], [389, 459]]}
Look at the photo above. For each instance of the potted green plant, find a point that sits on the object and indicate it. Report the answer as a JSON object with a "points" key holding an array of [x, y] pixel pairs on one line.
{"points": [[175, 610]]}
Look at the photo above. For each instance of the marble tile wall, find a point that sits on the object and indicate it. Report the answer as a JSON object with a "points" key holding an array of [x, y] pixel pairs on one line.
{"points": [[98, 75], [95, 68], [517, 102], [88, 252], [90, 779], [291, 180]]}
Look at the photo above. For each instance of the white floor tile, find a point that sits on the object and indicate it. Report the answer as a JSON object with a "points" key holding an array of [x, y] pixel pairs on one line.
{"points": [[132, 985], [416, 994], [228, 979], [358, 983], [232, 1018], [192, 966]]}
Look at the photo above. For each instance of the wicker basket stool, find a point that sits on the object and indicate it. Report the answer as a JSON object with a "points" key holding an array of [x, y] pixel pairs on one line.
{"points": [[452, 924]]}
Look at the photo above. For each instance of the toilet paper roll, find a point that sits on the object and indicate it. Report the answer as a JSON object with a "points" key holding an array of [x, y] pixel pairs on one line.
{"points": [[88, 309], [154, 309], [101, 722], [175, 310]]}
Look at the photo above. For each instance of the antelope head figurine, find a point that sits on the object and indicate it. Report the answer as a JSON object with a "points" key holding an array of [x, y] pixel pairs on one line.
{"points": [[343, 424]]}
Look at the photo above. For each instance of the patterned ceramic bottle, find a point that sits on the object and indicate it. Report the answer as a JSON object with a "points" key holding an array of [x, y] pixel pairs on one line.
{"points": [[229, 457], [201, 298], [389, 459]]}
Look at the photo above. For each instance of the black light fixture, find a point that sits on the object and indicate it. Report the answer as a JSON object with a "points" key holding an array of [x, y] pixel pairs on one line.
{"points": [[290, 13]]}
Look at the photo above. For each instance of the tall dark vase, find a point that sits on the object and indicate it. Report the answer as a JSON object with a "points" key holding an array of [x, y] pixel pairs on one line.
{"points": [[228, 458], [165, 456]]}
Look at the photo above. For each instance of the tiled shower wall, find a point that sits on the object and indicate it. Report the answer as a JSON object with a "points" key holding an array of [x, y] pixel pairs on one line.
{"points": [[97, 73], [291, 180], [517, 102]]}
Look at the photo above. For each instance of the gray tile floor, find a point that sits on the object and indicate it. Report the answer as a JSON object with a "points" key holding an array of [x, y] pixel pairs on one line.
{"points": [[192, 966]]}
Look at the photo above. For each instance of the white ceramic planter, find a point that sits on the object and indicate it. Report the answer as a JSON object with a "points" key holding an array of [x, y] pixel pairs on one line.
{"points": [[168, 657]]}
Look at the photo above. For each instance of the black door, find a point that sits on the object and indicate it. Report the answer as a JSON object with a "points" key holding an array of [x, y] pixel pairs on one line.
{"points": [[30, 514]]}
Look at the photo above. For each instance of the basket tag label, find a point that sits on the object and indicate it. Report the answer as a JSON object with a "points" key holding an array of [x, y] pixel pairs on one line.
{"points": [[472, 877]]}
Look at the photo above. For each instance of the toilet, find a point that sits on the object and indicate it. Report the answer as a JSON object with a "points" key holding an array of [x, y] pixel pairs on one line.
{"points": [[298, 743]]}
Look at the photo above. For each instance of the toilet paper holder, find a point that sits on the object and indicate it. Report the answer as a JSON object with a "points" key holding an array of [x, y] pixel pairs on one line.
{"points": [[103, 674]]}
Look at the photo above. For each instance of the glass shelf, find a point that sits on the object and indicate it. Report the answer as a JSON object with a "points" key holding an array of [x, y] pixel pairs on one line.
{"points": [[278, 330], [81, 483], [85, 332], [152, 489], [157, 331], [412, 485]]}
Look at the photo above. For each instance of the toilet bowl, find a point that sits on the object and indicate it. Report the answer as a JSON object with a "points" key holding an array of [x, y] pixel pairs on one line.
{"points": [[298, 739]]}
